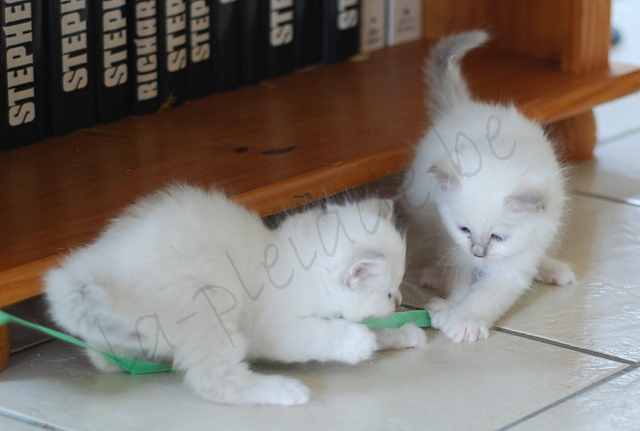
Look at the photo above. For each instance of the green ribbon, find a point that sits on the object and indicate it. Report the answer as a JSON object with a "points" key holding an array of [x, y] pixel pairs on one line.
{"points": [[134, 366], [137, 366], [420, 318]]}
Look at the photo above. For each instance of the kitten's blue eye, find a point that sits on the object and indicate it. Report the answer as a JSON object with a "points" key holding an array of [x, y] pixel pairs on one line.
{"points": [[464, 229], [497, 237]]}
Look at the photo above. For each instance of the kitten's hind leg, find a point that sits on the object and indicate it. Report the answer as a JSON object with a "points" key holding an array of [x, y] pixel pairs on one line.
{"points": [[552, 271], [237, 384], [102, 363], [214, 367]]}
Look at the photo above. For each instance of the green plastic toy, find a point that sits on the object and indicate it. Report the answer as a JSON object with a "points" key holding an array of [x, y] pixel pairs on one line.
{"points": [[137, 366]]}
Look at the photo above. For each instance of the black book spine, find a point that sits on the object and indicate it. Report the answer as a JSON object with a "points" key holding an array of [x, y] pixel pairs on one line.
{"points": [[254, 41], [282, 35], [201, 63], [172, 45], [341, 30], [307, 39], [144, 60], [112, 75], [71, 68], [226, 44], [22, 80]]}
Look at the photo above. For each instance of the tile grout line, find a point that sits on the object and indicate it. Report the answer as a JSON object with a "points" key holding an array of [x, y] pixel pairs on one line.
{"points": [[571, 396], [33, 345], [622, 135], [29, 421], [552, 342], [632, 202], [566, 346]]}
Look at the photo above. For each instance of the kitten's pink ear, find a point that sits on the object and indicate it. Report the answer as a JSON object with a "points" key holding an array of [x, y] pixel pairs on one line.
{"points": [[364, 270], [445, 173], [526, 202]]}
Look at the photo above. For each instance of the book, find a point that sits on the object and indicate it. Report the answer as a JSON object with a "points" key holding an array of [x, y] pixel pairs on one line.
{"points": [[22, 79], [201, 60], [172, 51], [70, 71], [340, 30], [373, 27], [279, 23], [112, 74], [226, 44], [307, 41], [404, 21], [253, 43], [144, 58]]}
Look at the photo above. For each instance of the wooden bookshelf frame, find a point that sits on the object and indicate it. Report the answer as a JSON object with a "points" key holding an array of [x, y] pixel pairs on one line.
{"points": [[294, 139]]}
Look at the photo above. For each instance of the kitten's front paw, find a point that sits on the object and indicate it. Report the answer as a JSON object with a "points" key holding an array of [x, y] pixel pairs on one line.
{"points": [[466, 331], [553, 271], [406, 337], [458, 329], [358, 344], [438, 311], [280, 391]]}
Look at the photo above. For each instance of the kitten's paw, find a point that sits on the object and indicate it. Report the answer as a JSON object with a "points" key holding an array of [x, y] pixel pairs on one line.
{"points": [[466, 331], [438, 311], [243, 387], [405, 337], [358, 344], [278, 390], [553, 271]]}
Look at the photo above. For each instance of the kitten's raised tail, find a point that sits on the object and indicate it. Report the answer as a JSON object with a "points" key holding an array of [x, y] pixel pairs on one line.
{"points": [[447, 86]]}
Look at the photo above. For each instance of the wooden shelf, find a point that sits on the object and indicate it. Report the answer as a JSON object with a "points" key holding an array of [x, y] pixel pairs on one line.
{"points": [[273, 146]]}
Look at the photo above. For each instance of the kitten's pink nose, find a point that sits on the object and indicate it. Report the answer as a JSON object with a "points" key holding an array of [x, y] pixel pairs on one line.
{"points": [[478, 250]]}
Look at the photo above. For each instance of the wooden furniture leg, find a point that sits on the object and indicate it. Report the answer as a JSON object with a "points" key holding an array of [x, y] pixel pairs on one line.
{"points": [[5, 346], [576, 136]]}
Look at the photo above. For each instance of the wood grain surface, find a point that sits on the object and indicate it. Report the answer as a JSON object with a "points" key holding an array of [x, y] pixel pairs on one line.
{"points": [[272, 146]]}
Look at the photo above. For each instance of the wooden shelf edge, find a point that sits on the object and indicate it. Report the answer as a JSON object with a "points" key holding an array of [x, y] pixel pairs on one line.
{"points": [[328, 181], [25, 281], [621, 80]]}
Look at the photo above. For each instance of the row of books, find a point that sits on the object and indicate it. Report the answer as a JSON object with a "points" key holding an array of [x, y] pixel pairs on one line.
{"points": [[70, 64]]}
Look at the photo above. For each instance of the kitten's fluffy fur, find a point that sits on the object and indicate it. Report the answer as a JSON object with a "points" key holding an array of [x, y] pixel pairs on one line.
{"points": [[489, 178], [189, 276]]}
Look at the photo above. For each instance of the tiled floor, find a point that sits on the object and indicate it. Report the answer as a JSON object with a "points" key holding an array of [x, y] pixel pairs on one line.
{"points": [[562, 359]]}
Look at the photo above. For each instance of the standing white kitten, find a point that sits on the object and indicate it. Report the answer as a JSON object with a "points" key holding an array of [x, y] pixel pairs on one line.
{"points": [[189, 276], [490, 178]]}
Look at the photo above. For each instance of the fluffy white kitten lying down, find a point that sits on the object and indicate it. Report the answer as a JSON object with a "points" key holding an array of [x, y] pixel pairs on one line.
{"points": [[488, 178], [186, 275]]}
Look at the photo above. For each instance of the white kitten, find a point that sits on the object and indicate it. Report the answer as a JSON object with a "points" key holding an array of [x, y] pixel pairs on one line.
{"points": [[488, 177], [189, 276]]}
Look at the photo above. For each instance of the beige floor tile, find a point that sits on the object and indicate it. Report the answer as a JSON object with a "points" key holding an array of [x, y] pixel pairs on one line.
{"points": [[602, 311], [611, 406], [443, 386], [617, 119], [614, 171]]}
